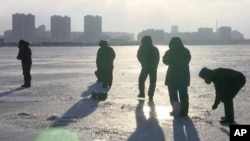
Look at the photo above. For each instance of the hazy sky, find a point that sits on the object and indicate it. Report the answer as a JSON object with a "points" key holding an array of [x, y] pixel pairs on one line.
{"points": [[135, 15]]}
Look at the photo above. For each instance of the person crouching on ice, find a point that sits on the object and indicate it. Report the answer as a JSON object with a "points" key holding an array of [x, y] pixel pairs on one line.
{"points": [[104, 63], [227, 83]]}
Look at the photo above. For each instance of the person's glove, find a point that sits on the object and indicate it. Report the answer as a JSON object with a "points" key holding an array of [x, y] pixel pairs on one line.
{"points": [[214, 106]]}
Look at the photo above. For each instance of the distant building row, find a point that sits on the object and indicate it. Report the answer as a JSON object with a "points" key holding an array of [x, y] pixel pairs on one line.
{"points": [[23, 27], [222, 35]]}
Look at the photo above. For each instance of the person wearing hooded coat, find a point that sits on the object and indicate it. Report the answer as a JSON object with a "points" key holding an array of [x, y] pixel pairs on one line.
{"points": [[24, 55], [227, 83], [177, 59], [104, 63], [148, 56]]}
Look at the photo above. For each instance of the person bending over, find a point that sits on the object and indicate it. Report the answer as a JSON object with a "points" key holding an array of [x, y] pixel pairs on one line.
{"points": [[227, 83]]}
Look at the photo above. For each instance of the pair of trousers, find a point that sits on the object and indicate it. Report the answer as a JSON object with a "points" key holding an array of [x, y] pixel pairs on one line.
{"points": [[105, 76], [26, 72], [179, 94], [228, 96], [152, 73], [229, 109]]}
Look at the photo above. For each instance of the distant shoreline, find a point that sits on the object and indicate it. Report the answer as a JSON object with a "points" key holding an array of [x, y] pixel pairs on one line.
{"points": [[80, 44]]}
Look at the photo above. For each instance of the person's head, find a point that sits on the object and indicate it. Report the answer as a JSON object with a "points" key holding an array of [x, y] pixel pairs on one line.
{"points": [[206, 74], [26, 43], [146, 40], [20, 43], [175, 43], [103, 43]]}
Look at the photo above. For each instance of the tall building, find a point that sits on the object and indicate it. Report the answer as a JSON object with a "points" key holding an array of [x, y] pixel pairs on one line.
{"points": [[92, 28], [8, 36], [40, 33], [23, 26], [60, 28], [205, 35], [174, 29], [157, 35], [237, 36], [225, 34]]}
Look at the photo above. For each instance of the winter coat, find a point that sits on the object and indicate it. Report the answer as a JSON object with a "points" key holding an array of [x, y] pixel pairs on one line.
{"points": [[105, 58], [24, 55], [148, 56], [178, 67], [227, 83]]}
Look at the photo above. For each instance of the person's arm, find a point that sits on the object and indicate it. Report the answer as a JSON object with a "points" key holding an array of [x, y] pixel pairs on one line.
{"points": [[139, 55], [216, 101], [167, 59], [183, 58], [218, 92], [19, 54], [26, 55], [97, 59], [188, 57], [113, 54], [158, 57]]}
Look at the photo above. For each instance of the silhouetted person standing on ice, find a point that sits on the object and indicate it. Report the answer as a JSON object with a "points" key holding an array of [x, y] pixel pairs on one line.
{"points": [[104, 63], [227, 83], [178, 76], [148, 56], [24, 55]]}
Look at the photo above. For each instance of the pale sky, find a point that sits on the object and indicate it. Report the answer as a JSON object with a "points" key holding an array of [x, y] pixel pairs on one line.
{"points": [[135, 15]]}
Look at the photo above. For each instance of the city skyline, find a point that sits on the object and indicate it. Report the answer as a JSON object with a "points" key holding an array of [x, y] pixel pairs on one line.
{"points": [[23, 26], [134, 15]]}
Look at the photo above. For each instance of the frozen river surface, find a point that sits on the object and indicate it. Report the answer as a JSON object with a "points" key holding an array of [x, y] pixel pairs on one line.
{"points": [[59, 103]]}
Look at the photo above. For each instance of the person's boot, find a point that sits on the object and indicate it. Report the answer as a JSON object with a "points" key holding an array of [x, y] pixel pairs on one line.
{"points": [[150, 95], [104, 85], [184, 109], [223, 118], [229, 113], [23, 86], [26, 84], [171, 113], [227, 121], [141, 95], [151, 98]]}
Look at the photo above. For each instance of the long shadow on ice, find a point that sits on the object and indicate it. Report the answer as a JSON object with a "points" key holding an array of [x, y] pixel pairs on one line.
{"points": [[10, 92], [225, 131], [184, 130], [81, 109], [147, 129], [91, 88]]}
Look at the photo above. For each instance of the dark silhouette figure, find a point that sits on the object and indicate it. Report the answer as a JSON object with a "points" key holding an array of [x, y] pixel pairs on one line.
{"points": [[178, 76], [147, 129], [227, 83], [148, 56], [24, 55], [184, 130], [104, 63]]}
